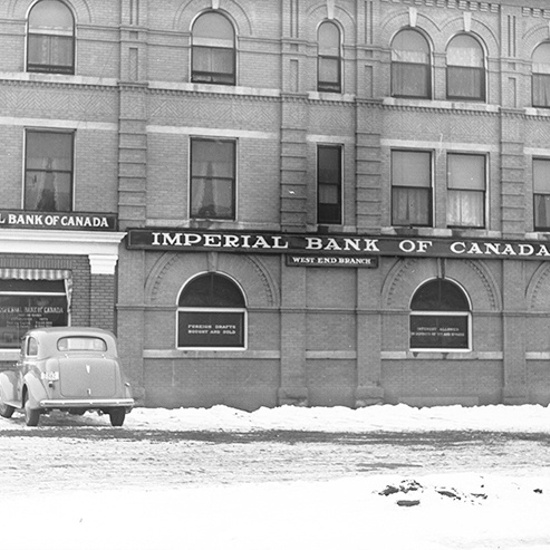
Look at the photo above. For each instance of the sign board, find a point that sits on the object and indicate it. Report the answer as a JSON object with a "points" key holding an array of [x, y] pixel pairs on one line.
{"points": [[315, 260], [334, 245], [216, 329], [439, 331], [17, 219]]}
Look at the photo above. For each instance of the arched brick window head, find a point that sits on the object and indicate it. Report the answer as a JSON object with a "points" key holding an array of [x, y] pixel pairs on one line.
{"points": [[213, 50], [50, 38]]}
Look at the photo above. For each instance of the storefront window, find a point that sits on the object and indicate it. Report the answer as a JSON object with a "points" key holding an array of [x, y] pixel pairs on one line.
{"points": [[30, 304], [440, 319], [211, 314]]}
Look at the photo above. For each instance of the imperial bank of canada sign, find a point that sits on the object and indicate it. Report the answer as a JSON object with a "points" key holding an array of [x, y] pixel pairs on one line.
{"points": [[337, 250]]}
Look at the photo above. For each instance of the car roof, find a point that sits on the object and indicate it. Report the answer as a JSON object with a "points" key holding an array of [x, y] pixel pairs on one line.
{"points": [[71, 331]]}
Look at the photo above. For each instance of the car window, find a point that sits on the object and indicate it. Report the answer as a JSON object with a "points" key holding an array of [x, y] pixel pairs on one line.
{"points": [[32, 346], [81, 343]]}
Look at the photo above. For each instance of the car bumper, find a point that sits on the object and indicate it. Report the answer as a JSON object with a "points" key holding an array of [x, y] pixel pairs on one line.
{"points": [[125, 402]]}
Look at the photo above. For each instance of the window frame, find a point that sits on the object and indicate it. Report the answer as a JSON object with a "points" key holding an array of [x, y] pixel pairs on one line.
{"points": [[439, 313], [484, 192], [29, 295], [540, 75], [325, 85], [427, 68], [482, 71], [212, 310], [338, 185], [536, 227], [31, 34], [213, 46], [430, 188], [233, 179], [27, 170]]}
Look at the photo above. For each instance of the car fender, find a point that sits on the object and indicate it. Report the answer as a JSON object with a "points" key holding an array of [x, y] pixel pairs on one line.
{"points": [[8, 386], [35, 389]]}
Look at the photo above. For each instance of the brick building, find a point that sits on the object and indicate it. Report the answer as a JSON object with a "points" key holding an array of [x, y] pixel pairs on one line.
{"points": [[323, 202]]}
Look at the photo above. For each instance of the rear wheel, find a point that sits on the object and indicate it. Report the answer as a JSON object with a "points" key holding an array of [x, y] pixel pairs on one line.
{"points": [[32, 416], [6, 410], [117, 416]]}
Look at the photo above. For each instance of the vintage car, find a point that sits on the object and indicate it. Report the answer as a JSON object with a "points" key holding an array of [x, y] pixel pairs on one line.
{"points": [[72, 369]]}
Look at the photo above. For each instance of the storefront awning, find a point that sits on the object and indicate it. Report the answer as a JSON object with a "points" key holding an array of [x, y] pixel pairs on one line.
{"points": [[34, 274]]}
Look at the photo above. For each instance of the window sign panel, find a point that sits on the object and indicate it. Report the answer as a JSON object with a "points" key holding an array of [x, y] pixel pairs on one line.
{"points": [[439, 331], [19, 313], [211, 329]]}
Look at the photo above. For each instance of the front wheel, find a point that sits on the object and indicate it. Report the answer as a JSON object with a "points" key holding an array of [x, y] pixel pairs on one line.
{"points": [[117, 416], [32, 416]]}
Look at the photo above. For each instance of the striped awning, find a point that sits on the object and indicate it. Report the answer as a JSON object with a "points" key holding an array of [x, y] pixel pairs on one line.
{"points": [[34, 274]]}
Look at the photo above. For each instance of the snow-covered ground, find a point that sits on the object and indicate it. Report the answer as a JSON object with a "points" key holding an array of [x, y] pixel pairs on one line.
{"points": [[474, 509]]}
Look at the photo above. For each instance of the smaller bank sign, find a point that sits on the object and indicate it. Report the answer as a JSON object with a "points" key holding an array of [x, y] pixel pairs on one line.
{"points": [[16, 219]]}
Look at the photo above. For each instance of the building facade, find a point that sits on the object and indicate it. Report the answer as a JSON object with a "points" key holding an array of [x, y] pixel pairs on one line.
{"points": [[304, 202]]}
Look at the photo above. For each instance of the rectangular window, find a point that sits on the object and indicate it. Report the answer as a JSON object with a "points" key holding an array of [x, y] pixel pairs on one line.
{"points": [[213, 65], [466, 83], [30, 304], [443, 331], [329, 74], [466, 176], [329, 184], [541, 194], [411, 174], [541, 90], [50, 54], [410, 80], [213, 179], [49, 171]]}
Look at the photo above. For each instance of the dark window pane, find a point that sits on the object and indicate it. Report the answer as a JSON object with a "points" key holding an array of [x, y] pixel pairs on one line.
{"points": [[410, 80], [439, 295], [439, 332], [49, 177], [213, 179], [211, 290], [329, 185], [465, 83]]}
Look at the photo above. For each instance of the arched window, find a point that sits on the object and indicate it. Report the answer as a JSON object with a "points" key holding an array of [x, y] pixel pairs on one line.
{"points": [[465, 69], [411, 65], [50, 38], [213, 50], [329, 60], [211, 313], [440, 318], [541, 76]]}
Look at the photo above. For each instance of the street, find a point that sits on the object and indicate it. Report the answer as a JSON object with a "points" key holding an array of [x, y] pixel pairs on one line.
{"points": [[71, 453]]}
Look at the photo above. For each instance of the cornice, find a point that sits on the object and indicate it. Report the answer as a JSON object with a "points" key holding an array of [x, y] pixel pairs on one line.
{"points": [[464, 5]]}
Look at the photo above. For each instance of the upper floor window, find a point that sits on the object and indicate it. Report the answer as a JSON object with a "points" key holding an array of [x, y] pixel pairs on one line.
{"points": [[49, 171], [466, 190], [465, 69], [541, 76], [411, 65], [411, 173], [50, 38], [541, 194], [440, 318], [211, 313], [329, 184], [329, 69], [213, 50], [213, 178]]}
